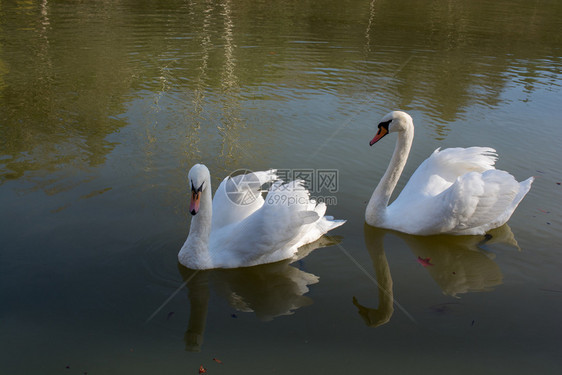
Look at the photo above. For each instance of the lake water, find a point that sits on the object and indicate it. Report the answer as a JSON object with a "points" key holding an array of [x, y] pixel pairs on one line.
{"points": [[105, 105]]}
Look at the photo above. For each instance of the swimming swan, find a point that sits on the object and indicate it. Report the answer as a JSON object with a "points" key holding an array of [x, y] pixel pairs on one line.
{"points": [[454, 191], [238, 228]]}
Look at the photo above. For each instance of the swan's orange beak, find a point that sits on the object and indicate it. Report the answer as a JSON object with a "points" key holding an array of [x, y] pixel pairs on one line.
{"points": [[381, 133], [194, 205]]}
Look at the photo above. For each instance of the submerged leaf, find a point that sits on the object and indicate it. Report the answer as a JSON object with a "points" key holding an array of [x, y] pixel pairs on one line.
{"points": [[424, 261]]}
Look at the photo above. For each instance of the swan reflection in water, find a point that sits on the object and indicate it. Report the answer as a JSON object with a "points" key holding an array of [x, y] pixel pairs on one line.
{"points": [[458, 264], [374, 243], [268, 290]]}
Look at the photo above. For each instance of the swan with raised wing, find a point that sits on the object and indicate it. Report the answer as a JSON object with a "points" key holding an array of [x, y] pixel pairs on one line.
{"points": [[454, 191], [238, 228]]}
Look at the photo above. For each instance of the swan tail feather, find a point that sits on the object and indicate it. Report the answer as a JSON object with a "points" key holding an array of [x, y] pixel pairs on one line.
{"points": [[483, 201], [307, 217]]}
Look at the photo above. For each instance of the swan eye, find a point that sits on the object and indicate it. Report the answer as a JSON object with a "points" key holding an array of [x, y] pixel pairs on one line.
{"points": [[197, 190], [385, 125]]}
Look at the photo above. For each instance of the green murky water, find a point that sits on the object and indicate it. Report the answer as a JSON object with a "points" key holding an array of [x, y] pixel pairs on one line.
{"points": [[105, 105]]}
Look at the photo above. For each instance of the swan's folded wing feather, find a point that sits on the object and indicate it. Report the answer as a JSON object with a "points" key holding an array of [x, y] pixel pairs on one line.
{"points": [[440, 170], [274, 231], [238, 197], [308, 217], [268, 235], [478, 199]]}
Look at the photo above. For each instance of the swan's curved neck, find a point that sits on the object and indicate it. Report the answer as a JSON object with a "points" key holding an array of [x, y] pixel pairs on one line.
{"points": [[196, 248], [376, 209]]}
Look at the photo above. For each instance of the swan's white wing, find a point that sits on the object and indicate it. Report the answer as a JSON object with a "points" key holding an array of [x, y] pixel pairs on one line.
{"points": [[238, 197], [439, 171], [477, 202], [273, 232], [312, 229], [265, 236], [473, 204]]}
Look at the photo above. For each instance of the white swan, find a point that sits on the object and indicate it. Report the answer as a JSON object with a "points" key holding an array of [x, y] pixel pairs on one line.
{"points": [[238, 228], [455, 191]]}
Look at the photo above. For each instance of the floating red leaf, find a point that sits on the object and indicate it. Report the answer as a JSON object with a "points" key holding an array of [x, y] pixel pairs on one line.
{"points": [[424, 261]]}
